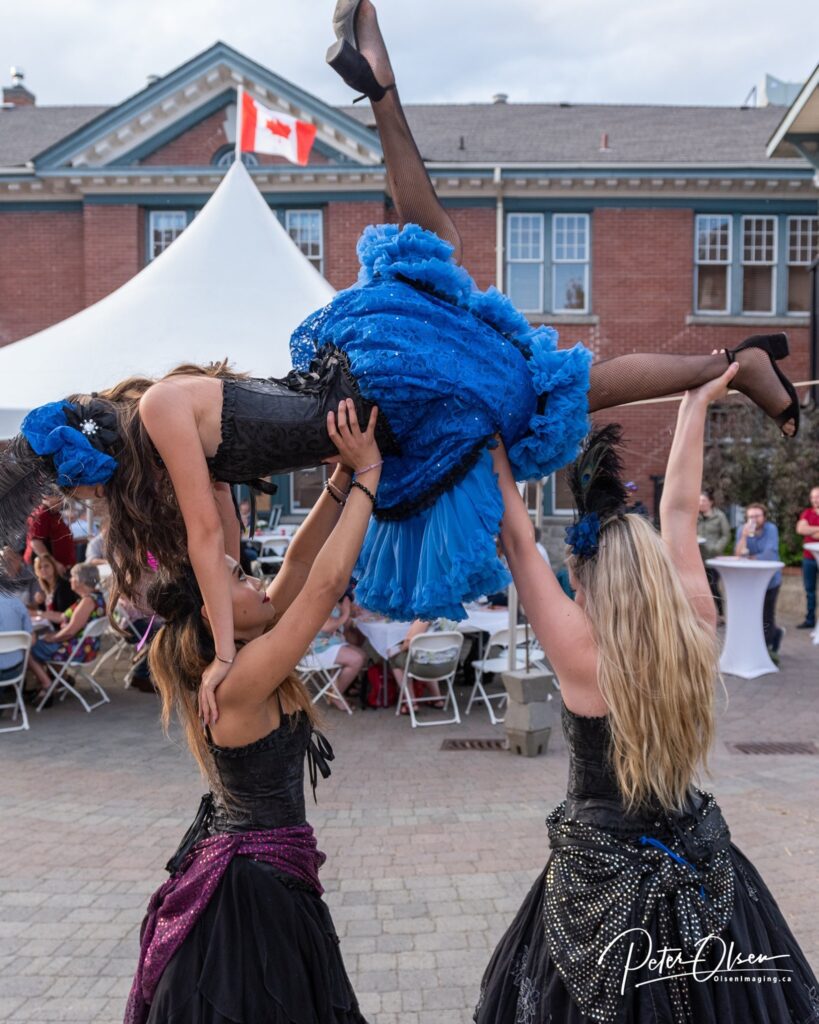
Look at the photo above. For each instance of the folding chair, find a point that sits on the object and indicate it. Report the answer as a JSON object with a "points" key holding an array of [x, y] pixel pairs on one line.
{"points": [[431, 643], [325, 677], [491, 664], [9, 644], [96, 628], [121, 644]]}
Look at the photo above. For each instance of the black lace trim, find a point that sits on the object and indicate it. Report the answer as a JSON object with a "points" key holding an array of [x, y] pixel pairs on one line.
{"points": [[387, 441], [395, 513]]}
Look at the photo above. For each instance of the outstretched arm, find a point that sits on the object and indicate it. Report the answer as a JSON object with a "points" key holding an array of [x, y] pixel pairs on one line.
{"points": [[308, 541], [558, 623], [679, 506], [171, 424]]}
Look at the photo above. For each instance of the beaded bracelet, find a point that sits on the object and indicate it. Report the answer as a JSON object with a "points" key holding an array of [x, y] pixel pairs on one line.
{"points": [[366, 490], [337, 500]]}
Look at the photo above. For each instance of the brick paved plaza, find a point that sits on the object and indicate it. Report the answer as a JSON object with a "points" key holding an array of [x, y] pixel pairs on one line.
{"points": [[429, 852]]}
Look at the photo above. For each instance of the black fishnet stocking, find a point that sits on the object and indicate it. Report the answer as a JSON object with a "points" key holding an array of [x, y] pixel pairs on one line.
{"points": [[410, 186], [636, 377]]}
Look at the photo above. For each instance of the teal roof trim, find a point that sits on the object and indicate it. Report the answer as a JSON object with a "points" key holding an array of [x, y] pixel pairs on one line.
{"points": [[220, 52]]}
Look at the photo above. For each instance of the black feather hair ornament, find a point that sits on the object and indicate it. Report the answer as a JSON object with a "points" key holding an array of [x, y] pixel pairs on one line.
{"points": [[25, 477], [595, 480]]}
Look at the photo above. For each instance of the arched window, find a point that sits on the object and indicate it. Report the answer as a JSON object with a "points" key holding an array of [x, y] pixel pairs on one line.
{"points": [[225, 155]]}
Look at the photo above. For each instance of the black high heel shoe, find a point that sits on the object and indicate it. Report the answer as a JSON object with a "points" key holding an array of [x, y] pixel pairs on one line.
{"points": [[344, 58], [775, 346]]}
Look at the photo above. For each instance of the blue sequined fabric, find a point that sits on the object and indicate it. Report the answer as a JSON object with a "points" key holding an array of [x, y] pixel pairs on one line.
{"points": [[449, 366]]}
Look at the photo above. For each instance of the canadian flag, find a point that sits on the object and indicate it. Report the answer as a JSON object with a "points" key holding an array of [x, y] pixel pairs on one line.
{"points": [[263, 130]]}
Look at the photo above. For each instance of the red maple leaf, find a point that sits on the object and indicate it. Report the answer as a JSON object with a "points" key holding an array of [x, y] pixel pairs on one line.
{"points": [[278, 128]]}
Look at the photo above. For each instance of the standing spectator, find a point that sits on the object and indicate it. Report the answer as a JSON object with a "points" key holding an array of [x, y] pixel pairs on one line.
{"points": [[13, 619], [808, 528], [712, 526], [19, 579], [544, 554], [49, 534], [55, 594], [759, 539]]}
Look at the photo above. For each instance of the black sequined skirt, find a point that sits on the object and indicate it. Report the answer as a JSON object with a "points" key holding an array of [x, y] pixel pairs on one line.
{"points": [[616, 931], [263, 952]]}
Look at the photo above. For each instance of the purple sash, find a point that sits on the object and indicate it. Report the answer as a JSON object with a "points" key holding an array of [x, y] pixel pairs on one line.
{"points": [[177, 904]]}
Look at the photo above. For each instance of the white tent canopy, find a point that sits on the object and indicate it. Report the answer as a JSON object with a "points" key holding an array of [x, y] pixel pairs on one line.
{"points": [[233, 284]]}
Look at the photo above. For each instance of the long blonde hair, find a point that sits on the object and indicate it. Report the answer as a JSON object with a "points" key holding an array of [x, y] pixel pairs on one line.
{"points": [[657, 663], [181, 650]]}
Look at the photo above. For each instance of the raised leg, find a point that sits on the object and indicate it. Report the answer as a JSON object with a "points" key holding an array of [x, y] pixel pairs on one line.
{"points": [[410, 187]]}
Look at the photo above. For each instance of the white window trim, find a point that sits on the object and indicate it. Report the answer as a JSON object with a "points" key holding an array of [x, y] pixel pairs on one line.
{"points": [[754, 263], [161, 213], [566, 263], [541, 262], [714, 263], [320, 214]]}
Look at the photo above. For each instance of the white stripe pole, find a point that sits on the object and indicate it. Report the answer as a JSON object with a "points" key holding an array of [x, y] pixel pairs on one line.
{"points": [[240, 92]]}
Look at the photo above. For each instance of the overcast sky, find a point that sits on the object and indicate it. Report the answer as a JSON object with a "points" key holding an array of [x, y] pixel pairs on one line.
{"points": [[634, 51]]}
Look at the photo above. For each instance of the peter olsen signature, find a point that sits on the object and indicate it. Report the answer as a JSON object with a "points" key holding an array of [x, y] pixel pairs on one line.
{"points": [[670, 959]]}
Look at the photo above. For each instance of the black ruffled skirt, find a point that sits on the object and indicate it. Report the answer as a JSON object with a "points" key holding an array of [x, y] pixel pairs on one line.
{"points": [[263, 952], [522, 984]]}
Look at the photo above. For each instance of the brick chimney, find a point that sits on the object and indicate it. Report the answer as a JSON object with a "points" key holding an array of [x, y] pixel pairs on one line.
{"points": [[17, 94]]}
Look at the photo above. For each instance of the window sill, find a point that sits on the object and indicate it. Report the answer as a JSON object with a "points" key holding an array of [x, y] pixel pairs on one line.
{"points": [[548, 319], [747, 320]]}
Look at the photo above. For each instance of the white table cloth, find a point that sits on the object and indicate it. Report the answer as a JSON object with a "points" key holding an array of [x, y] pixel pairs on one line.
{"points": [[486, 620], [814, 550], [383, 634], [745, 580]]}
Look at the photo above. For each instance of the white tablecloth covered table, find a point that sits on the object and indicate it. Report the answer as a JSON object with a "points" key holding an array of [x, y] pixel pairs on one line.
{"points": [[745, 580]]}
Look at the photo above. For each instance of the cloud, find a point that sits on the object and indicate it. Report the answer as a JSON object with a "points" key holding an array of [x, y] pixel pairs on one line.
{"points": [[592, 51]]}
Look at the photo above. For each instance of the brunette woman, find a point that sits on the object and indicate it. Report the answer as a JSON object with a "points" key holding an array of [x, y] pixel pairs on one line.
{"points": [[239, 933]]}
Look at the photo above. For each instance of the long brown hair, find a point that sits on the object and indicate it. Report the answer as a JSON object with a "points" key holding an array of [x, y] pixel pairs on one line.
{"points": [[179, 654], [143, 511], [657, 663]]}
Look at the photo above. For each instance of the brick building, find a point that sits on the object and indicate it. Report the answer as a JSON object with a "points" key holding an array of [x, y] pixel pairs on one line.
{"points": [[628, 227]]}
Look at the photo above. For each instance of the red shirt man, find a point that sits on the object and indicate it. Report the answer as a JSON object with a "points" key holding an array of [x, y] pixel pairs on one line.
{"points": [[48, 532]]}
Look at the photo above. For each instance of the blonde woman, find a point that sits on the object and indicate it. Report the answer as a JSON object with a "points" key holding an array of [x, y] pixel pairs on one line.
{"points": [[55, 595], [646, 912]]}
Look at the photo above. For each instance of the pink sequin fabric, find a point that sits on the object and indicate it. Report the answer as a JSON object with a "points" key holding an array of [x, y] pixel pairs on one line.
{"points": [[177, 904]]}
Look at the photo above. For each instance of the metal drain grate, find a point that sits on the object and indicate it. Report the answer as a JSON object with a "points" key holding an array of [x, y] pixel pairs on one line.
{"points": [[775, 748], [492, 744]]}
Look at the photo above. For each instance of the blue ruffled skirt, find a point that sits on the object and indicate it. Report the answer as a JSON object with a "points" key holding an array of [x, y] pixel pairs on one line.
{"points": [[449, 366]]}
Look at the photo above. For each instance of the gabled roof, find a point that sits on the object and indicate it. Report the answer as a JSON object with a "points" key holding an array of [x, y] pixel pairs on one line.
{"points": [[798, 131], [198, 86], [571, 133]]}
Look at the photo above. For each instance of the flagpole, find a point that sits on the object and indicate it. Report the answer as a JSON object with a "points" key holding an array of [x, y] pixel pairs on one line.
{"points": [[240, 91]]}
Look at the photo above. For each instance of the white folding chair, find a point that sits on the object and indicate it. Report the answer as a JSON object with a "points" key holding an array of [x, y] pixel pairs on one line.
{"points": [[121, 644], [95, 629], [431, 644], [13, 643], [324, 677], [496, 660]]}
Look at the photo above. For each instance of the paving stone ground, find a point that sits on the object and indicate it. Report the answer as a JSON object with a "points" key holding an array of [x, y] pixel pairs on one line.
{"points": [[429, 852]]}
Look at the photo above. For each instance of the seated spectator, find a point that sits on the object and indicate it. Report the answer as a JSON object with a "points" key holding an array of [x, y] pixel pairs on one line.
{"points": [[14, 618], [426, 665], [48, 534], [97, 551], [55, 595], [712, 526], [544, 554], [18, 577], [57, 646], [330, 647]]}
